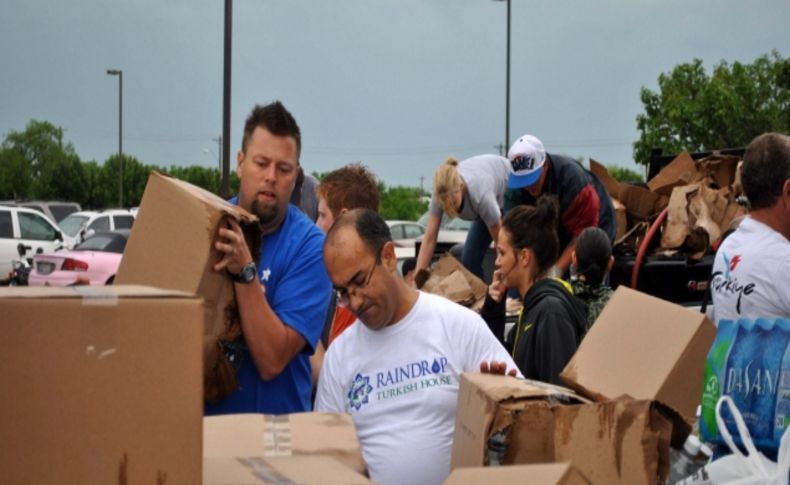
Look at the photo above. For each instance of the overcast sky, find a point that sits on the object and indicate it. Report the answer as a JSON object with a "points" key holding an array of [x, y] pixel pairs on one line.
{"points": [[396, 84]]}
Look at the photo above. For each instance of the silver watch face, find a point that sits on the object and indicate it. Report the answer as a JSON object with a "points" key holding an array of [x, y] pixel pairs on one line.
{"points": [[248, 273]]}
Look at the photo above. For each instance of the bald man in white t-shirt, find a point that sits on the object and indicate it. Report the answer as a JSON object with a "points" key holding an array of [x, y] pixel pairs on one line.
{"points": [[751, 273], [397, 370]]}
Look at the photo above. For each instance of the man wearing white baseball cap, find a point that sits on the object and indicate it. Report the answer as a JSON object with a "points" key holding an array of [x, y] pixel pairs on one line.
{"points": [[583, 199]]}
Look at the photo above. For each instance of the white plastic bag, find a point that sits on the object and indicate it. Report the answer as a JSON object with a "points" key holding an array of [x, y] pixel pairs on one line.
{"points": [[740, 469]]}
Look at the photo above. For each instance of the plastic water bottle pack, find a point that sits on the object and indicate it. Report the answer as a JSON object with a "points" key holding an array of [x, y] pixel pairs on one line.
{"points": [[749, 362]]}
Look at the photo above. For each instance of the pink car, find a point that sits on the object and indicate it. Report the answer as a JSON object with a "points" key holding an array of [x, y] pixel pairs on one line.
{"points": [[94, 261]]}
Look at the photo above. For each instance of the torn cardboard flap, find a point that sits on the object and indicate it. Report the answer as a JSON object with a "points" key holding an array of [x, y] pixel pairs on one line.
{"points": [[680, 171], [610, 183], [618, 442], [639, 202], [720, 169], [505, 388], [677, 225]]}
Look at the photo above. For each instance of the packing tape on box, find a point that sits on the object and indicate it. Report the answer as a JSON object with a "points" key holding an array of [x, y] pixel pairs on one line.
{"points": [[276, 435], [96, 295], [98, 334], [263, 470]]}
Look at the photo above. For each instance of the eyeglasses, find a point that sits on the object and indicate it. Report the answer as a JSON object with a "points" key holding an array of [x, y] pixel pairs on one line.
{"points": [[344, 293]]}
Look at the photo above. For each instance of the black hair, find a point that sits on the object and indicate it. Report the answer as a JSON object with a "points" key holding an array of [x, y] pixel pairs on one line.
{"points": [[766, 167], [535, 228], [408, 265], [369, 226], [276, 120], [593, 250]]}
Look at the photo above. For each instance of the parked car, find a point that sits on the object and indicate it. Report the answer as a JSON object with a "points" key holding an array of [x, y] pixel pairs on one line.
{"points": [[405, 233], [55, 210], [94, 261], [83, 224], [30, 228]]}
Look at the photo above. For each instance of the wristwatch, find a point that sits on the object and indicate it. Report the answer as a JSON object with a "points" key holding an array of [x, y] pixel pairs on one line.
{"points": [[247, 274]]}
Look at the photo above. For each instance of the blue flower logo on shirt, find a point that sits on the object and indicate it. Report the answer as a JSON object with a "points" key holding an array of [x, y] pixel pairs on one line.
{"points": [[360, 389]]}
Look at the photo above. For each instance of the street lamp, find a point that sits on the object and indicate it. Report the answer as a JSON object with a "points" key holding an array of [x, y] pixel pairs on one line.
{"points": [[119, 73], [507, 80]]}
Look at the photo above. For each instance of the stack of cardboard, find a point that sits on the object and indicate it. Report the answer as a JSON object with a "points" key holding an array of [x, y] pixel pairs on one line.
{"points": [[171, 247], [636, 377], [293, 448], [700, 197]]}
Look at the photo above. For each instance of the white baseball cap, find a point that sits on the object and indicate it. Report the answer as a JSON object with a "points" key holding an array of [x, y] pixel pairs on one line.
{"points": [[527, 157]]}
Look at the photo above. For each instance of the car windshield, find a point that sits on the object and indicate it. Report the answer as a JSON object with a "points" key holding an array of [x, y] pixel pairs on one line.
{"points": [[72, 224], [107, 243], [60, 211]]}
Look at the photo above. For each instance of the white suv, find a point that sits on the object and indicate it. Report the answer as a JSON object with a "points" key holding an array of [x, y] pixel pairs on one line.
{"points": [[80, 225], [29, 227]]}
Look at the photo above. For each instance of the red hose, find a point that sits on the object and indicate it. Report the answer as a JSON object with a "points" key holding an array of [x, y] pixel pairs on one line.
{"points": [[640, 255]]}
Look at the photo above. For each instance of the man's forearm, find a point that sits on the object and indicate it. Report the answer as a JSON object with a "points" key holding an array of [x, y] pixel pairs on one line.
{"points": [[272, 344]]}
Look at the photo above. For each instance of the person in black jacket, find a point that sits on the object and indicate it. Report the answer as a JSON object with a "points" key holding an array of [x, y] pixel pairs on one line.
{"points": [[552, 321]]}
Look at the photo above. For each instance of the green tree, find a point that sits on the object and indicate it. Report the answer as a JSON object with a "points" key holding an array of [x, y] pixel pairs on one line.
{"points": [[37, 164], [695, 111], [402, 203], [622, 174]]}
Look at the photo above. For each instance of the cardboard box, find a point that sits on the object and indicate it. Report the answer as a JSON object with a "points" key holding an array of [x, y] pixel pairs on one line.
{"points": [[307, 470], [611, 184], [624, 441], [640, 203], [170, 246], [543, 474], [641, 362], [100, 385], [450, 279], [680, 171], [299, 434], [645, 348]]}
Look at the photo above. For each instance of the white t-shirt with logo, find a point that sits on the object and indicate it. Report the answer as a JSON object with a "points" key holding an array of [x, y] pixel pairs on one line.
{"points": [[400, 385], [751, 274]]}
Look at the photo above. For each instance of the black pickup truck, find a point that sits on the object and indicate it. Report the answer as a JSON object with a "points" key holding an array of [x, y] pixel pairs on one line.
{"points": [[673, 278]]}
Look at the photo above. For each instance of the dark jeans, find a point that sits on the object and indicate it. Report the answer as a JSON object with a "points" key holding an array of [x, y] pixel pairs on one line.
{"points": [[477, 241]]}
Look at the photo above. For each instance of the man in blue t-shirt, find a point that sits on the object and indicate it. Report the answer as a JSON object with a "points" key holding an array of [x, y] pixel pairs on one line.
{"points": [[283, 302]]}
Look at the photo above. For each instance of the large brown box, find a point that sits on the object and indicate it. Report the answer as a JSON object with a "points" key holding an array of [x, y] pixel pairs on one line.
{"points": [[641, 364], [645, 348], [100, 385], [297, 434], [170, 246]]}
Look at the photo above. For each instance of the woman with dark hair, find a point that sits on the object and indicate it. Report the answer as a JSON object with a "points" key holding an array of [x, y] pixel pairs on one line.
{"points": [[592, 260], [552, 321]]}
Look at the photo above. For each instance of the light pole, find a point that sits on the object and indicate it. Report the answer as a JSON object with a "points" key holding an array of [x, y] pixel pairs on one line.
{"points": [[119, 73], [507, 80], [225, 149]]}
